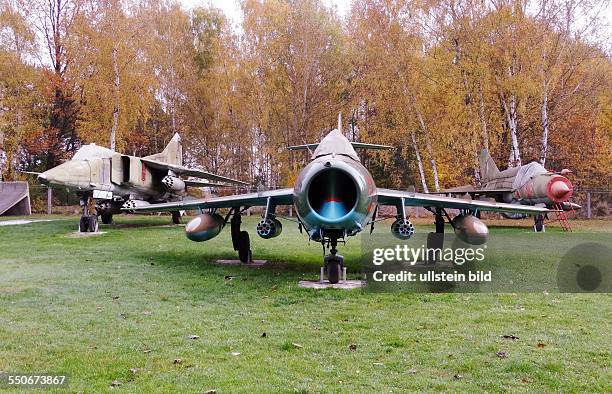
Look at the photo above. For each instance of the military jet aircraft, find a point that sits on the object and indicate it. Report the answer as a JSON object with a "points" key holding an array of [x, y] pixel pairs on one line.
{"points": [[530, 184], [335, 197], [109, 181]]}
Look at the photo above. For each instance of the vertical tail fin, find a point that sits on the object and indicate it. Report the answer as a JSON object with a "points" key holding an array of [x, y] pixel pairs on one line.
{"points": [[488, 168], [172, 153]]}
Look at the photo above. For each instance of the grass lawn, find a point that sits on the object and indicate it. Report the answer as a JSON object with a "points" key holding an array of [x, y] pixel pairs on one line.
{"points": [[96, 308]]}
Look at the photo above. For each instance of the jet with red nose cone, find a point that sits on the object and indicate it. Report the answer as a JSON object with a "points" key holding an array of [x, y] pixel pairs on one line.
{"points": [[530, 184], [335, 197]]}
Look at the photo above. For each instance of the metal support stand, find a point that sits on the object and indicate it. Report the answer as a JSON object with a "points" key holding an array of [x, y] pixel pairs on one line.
{"points": [[49, 200]]}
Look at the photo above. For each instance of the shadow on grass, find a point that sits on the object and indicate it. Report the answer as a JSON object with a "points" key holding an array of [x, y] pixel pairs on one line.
{"points": [[197, 262]]}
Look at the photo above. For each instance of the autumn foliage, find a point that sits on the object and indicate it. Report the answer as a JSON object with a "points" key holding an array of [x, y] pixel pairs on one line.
{"points": [[438, 80]]}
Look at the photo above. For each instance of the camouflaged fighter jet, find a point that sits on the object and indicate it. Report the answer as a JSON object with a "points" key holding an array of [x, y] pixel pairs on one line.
{"points": [[530, 184], [107, 181], [335, 197]]}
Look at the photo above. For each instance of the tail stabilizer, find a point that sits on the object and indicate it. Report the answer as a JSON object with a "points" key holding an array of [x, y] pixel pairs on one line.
{"points": [[172, 153], [488, 168]]}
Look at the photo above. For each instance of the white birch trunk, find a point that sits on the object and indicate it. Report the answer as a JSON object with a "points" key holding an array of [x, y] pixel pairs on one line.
{"points": [[432, 160], [483, 119], [116, 85], [511, 119], [419, 161], [544, 150]]}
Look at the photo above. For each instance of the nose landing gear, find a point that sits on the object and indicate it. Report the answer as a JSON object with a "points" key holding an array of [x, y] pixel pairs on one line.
{"points": [[333, 263]]}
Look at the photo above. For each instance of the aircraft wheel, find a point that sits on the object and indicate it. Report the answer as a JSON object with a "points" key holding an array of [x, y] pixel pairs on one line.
{"points": [[93, 224], [107, 218], [539, 223], [176, 217], [333, 271], [244, 247], [84, 224]]}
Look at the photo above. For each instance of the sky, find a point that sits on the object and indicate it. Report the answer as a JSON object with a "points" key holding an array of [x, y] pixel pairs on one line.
{"points": [[231, 8]]}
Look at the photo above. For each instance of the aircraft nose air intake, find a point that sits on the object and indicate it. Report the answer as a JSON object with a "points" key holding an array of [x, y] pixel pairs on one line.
{"points": [[332, 193], [559, 189]]}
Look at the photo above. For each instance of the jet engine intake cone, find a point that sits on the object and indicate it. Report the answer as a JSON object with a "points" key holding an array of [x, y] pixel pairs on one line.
{"points": [[332, 193]]}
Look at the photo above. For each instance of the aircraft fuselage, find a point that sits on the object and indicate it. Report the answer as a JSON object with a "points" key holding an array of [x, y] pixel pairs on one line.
{"points": [[334, 193]]}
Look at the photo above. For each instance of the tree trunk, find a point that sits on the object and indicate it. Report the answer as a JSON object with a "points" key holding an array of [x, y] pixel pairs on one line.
{"points": [[419, 161], [511, 119], [432, 160], [544, 150], [117, 82], [483, 119]]}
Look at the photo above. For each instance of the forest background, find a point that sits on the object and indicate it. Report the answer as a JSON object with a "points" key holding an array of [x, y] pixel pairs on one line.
{"points": [[438, 79]]}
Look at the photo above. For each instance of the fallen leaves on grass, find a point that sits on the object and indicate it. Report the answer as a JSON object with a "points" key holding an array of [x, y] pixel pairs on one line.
{"points": [[501, 354], [525, 381], [235, 354], [352, 347], [296, 345], [541, 345], [133, 371], [115, 383], [412, 371]]}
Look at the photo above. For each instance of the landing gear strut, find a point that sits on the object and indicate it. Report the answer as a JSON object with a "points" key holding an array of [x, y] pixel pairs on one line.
{"points": [[539, 223], [89, 218], [436, 240], [240, 239], [334, 263]]}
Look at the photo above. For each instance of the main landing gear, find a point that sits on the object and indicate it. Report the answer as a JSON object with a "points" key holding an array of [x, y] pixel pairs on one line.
{"points": [[240, 239], [538, 225], [89, 217], [435, 240], [107, 218]]}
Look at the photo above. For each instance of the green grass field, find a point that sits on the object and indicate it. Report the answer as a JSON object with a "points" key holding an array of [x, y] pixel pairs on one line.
{"points": [[122, 307]]}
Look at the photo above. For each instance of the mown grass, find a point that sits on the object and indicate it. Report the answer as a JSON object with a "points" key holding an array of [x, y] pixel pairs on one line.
{"points": [[94, 308]]}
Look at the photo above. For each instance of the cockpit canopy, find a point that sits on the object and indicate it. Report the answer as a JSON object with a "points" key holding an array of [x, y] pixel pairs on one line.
{"points": [[526, 172], [92, 151]]}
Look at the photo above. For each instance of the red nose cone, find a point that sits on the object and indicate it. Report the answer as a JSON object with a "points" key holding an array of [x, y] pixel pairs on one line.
{"points": [[559, 189]]}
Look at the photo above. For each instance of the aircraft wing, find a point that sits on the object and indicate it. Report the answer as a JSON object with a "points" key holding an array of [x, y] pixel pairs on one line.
{"points": [[180, 170], [356, 145], [277, 197], [394, 197], [193, 183]]}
